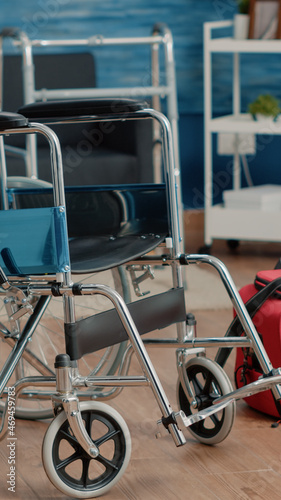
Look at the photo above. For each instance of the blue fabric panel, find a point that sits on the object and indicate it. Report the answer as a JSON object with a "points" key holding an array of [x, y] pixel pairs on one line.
{"points": [[33, 241]]}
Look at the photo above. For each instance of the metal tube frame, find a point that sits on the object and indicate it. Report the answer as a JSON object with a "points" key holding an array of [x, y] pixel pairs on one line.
{"points": [[175, 260], [241, 311], [252, 338], [161, 37], [55, 155], [150, 377], [59, 201], [171, 174]]}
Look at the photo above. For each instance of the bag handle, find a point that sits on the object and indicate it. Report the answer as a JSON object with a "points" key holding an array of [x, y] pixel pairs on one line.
{"points": [[235, 328]]}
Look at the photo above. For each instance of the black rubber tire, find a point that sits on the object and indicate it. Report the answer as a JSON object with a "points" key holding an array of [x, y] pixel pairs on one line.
{"points": [[70, 468], [208, 381]]}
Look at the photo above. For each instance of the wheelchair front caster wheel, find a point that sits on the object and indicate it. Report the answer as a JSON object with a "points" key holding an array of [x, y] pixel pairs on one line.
{"points": [[70, 468], [208, 381]]}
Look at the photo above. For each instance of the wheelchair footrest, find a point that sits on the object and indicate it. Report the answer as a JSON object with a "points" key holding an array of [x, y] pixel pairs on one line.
{"points": [[106, 329]]}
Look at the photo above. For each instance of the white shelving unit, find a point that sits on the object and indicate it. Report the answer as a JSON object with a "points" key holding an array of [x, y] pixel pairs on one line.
{"points": [[221, 222]]}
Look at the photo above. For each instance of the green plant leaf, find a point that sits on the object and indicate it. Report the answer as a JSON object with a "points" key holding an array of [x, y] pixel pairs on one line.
{"points": [[266, 105]]}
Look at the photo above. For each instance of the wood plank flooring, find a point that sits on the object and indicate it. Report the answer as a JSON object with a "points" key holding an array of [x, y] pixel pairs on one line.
{"points": [[246, 465]]}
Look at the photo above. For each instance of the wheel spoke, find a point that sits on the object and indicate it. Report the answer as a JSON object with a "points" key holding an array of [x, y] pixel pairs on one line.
{"points": [[108, 464], [69, 460], [62, 434], [216, 390], [109, 435], [197, 386], [200, 427], [208, 383], [85, 472], [216, 421], [87, 417]]}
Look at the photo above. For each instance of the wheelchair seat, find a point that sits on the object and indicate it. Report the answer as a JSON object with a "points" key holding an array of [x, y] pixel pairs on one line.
{"points": [[107, 225]]}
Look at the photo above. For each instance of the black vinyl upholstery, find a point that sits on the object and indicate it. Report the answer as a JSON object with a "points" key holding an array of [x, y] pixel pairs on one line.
{"points": [[80, 108], [121, 153], [107, 225]]}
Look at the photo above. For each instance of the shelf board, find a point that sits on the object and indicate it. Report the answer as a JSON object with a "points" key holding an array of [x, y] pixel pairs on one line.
{"points": [[228, 44], [242, 224], [244, 123]]}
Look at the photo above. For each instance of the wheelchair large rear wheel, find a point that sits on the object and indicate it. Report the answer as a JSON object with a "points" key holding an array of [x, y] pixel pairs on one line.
{"points": [[70, 468], [48, 341], [208, 381]]}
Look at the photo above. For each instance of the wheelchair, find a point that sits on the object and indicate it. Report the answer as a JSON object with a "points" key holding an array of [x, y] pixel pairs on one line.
{"points": [[48, 236]]}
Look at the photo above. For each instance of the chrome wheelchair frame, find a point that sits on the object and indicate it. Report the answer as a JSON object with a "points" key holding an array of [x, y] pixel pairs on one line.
{"points": [[73, 418]]}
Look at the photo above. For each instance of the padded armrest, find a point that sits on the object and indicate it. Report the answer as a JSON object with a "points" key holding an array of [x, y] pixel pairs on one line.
{"points": [[12, 120], [81, 107]]}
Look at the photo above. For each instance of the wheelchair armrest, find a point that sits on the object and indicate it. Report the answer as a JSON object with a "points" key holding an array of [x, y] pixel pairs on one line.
{"points": [[12, 120], [81, 107]]}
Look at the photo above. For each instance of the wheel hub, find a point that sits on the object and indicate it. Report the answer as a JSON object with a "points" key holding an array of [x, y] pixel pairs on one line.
{"points": [[203, 401]]}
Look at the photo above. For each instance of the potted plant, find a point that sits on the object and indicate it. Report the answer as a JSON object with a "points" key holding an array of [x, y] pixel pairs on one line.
{"points": [[265, 106], [242, 20], [243, 6]]}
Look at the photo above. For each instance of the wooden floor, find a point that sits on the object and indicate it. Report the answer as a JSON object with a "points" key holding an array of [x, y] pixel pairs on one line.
{"points": [[247, 465]]}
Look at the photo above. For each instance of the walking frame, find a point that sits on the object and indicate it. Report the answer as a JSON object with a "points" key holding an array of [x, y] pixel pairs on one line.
{"points": [[36, 266]]}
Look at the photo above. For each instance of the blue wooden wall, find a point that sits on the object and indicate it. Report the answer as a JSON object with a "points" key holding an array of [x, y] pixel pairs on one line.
{"points": [[84, 18], [185, 18]]}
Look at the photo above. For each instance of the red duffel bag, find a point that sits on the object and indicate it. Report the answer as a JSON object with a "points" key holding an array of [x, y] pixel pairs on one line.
{"points": [[263, 301]]}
